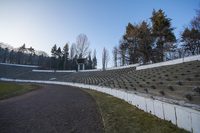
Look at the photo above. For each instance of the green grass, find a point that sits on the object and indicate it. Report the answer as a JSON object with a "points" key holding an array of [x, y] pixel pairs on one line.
{"points": [[8, 89], [120, 117]]}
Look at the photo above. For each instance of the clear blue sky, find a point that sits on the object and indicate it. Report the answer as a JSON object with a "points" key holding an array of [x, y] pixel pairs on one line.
{"points": [[43, 23]]}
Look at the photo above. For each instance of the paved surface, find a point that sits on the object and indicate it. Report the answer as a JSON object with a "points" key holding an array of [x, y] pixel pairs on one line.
{"points": [[52, 109]]}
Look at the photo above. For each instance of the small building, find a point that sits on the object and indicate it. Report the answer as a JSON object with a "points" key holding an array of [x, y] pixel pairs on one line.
{"points": [[81, 63]]}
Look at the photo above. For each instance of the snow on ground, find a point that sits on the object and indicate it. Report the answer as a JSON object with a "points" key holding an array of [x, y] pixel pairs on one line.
{"points": [[19, 65]]}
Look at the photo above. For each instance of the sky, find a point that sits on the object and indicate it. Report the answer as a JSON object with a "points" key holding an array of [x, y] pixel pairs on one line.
{"points": [[43, 23]]}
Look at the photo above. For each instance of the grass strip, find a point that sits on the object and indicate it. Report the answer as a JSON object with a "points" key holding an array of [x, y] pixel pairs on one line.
{"points": [[121, 117], [10, 89]]}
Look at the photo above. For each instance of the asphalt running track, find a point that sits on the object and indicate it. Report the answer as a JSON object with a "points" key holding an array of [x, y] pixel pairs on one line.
{"points": [[51, 109]]}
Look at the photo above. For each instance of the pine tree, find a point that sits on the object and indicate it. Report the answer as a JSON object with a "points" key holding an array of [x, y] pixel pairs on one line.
{"points": [[145, 42], [162, 33], [66, 56], [94, 60]]}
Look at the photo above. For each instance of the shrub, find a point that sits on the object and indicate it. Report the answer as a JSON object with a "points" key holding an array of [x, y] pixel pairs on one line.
{"points": [[175, 77], [161, 82], [147, 82], [140, 85], [146, 90], [179, 83], [189, 79], [162, 93], [196, 75], [168, 79], [152, 97], [196, 89], [171, 88], [189, 97], [153, 87]]}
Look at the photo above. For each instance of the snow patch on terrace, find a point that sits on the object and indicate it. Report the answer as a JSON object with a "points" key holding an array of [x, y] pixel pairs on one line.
{"points": [[52, 71], [111, 68], [8, 64]]}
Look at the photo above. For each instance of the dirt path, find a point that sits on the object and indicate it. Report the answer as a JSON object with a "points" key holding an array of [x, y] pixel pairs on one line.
{"points": [[52, 109]]}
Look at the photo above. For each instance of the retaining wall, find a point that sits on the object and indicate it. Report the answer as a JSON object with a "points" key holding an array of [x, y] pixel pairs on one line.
{"points": [[171, 62], [52, 71], [183, 117]]}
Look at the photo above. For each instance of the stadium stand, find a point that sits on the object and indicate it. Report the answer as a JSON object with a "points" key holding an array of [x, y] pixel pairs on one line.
{"points": [[178, 82]]}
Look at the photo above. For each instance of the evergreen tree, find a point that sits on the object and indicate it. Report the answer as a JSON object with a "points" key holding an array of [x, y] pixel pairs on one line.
{"points": [[191, 39], [59, 58], [130, 42], [162, 33], [66, 56], [94, 60], [53, 56], [145, 42]]}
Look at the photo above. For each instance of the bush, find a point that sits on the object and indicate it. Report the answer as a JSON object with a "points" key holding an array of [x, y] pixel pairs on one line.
{"points": [[189, 97], [168, 79], [175, 77], [179, 83], [153, 87], [162, 93], [171, 88], [188, 79], [196, 89], [146, 90]]}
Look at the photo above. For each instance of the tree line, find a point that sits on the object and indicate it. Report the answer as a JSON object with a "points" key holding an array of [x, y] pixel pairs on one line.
{"points": [[66, 59], [25, 56], [155, 42], [61, 59]]}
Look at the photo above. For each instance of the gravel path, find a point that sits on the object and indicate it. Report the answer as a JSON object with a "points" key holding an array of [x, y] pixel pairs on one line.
{"points": [[52, 109]]}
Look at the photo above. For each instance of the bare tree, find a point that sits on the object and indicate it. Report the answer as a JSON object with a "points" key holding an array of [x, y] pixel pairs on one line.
{"points": [[105, 58], [115, 56], [72, 51], [82, 46]]}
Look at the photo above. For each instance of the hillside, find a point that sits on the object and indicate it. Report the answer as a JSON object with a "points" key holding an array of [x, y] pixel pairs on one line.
{"points": [[180, 82], [10, 48]]}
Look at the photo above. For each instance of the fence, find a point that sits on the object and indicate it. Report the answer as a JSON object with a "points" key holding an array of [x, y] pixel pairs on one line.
{"points": [[183, 117], [171, 62]]}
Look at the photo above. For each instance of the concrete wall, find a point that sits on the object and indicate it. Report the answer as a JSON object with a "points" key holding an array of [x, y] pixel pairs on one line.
{"points": [[171, 62], [8, 64], [183, 117], [50, 71]]}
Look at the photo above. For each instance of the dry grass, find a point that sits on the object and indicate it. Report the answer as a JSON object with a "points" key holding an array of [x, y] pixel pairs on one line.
{"points": [[121, 117]]}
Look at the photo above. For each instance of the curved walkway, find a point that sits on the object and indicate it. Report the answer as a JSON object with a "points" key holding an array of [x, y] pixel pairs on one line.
{"points": [[51, 109]]}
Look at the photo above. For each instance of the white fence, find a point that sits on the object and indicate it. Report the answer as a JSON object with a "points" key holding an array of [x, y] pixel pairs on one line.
{"points": [[8, 64], [183, 117], [171, 62], [52, 71]]}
